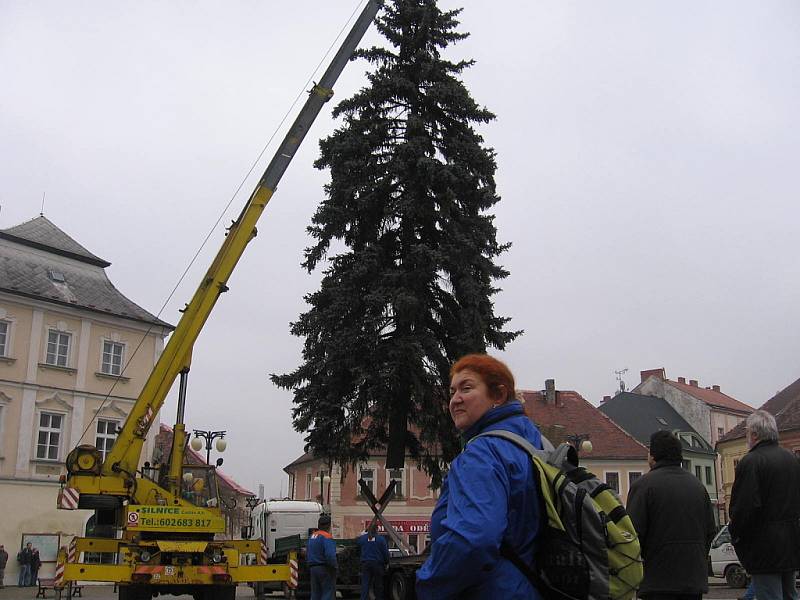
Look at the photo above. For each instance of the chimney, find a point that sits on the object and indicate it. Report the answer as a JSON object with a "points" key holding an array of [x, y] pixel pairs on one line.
{"points": [[693, 382], [660, 373], [715, 388], [606, 398], [681, 379], [550, 391]]}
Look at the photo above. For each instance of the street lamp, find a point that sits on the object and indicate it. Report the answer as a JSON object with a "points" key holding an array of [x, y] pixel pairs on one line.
{"points": [[209, 437], [581, 442], [322, 480]]}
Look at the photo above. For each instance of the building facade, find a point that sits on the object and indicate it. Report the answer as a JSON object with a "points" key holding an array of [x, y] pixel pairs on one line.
{"points": [[641, 416], [708, 410], [74, 354]]}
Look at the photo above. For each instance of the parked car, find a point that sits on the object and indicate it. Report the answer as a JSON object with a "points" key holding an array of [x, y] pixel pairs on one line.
{"points": [[723, 561]]}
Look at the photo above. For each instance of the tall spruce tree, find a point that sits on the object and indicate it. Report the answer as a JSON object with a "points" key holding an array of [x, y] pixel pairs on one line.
{"points": [[411, 184]]}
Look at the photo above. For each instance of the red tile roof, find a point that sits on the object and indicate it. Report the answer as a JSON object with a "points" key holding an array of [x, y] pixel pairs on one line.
{"points": [[784, 406], [712, 397], [577, 416]]}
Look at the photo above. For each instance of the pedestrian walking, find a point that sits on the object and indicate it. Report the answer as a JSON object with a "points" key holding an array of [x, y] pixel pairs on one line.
{"points": [[489, 498], [374, 560], [672, 513], [321, 558], [765, 509], [24, 558], [3, 563]]}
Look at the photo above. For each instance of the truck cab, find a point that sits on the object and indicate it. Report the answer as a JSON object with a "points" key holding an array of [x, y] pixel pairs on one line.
{"points": [[275, 519]]}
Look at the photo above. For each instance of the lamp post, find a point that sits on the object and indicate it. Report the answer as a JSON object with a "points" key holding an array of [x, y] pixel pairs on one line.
{"points": [[322, 480], [580, 441], [209, 437]]}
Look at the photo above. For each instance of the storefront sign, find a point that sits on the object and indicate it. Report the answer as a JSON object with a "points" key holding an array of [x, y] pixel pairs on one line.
{"points": [[405, 526]]}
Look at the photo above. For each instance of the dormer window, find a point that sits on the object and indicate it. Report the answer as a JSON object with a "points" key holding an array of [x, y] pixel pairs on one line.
{"points": [[56, 276]]}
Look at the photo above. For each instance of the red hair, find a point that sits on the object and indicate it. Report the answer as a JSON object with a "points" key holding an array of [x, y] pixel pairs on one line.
{"points": [[494, 373]]}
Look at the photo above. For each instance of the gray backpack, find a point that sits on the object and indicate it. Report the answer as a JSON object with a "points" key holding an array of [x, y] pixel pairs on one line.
{"points": [[587, 546]]}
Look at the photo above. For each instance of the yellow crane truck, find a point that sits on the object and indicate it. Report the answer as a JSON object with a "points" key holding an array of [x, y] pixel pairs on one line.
{"points": [[165, 522]]}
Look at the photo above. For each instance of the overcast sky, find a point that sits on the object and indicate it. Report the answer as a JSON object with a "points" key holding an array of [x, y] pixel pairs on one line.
{"points": [[647, 163]]}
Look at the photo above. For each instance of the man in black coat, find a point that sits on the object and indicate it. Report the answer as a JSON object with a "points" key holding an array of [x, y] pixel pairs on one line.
{"points": [[671, 511], [765, 511]]}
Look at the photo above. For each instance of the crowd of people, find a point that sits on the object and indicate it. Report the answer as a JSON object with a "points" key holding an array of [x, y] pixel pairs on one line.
{"points": [[29, 564]]}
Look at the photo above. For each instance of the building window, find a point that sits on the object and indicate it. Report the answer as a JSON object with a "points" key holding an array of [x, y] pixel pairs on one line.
{"points": [[308, 486], [397, 475], [698, 471], [632, 477], [112, 358], [720, 432], [708, 475], [57, 348], [106, 434], [49, 436], [4, 338], [686, 465], [368, 475], [612, 480]]}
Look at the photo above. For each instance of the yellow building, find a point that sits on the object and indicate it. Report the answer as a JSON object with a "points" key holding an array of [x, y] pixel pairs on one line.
{"points": [[74, 354]]}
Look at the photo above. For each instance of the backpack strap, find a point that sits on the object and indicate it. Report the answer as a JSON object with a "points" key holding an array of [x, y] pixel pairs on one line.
{"points": [[506, 551]]}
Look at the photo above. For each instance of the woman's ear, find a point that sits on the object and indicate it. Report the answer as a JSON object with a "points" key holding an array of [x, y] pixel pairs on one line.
{"points": [[499, 394]]}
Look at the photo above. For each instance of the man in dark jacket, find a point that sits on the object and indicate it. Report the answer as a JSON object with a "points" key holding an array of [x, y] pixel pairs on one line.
{"points": [[671, 511], [765, 511]]}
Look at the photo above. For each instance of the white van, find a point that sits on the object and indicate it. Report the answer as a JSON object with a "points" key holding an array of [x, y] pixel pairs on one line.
{"points": [[724, 562]]}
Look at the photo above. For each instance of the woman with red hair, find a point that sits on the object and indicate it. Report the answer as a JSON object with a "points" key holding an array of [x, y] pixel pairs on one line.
{"points": [[489, 497]]}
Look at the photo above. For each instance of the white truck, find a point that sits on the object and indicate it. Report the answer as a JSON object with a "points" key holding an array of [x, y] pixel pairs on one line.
{"points": [[274, 519]]}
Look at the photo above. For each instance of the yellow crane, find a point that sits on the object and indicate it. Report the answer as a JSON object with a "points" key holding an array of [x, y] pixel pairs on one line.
{"points": [[169, 519]]}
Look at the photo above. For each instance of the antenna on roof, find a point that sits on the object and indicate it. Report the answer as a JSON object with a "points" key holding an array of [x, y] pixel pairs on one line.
{"points": [[41, 214], [619, 374]]}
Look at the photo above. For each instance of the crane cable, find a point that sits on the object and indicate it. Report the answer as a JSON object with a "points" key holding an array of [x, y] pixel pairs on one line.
{"points": [[257, 160]]}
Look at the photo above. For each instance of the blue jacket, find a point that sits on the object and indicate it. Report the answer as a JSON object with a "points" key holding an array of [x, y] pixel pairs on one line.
{"points": [[373, 550], [489, 496], [321, 549]]}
